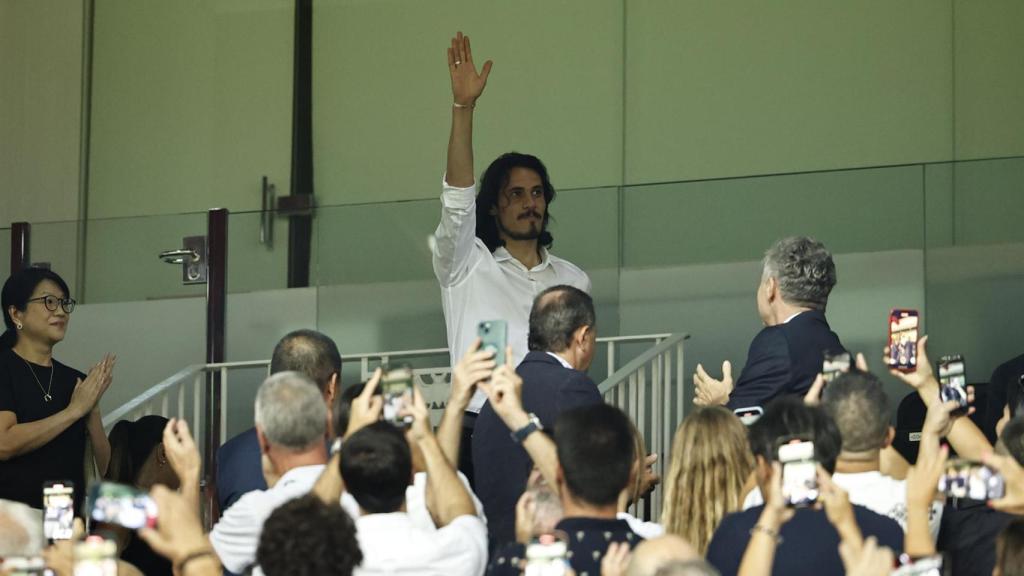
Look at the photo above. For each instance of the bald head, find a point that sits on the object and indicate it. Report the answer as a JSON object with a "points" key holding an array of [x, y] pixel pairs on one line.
{"points": [[653, 555], [557, 314], [310, 353]]}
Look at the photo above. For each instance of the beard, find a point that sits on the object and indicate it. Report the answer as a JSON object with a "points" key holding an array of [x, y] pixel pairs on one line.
{"points": [[532, 234]]}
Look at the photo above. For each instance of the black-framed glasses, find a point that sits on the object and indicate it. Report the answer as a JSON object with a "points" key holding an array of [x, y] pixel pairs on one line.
{"points": [[52, 302]]}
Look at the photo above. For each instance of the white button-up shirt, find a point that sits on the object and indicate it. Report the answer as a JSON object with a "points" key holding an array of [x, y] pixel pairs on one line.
{"points": [[477, 285], [416, 502], [237, 534], [394, 544]]}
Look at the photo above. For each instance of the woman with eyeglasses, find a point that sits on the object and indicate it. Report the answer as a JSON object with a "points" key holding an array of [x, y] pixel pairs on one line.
{"points": [[47, 409]]}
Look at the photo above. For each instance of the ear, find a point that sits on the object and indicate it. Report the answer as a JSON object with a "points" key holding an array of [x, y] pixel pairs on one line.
{"points": [[264, 443], [15, 314], [890, 435], [579, 337], [331, 390], [772, 288]]}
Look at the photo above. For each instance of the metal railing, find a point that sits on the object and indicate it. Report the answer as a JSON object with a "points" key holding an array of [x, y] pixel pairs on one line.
{"points": [[648, 388]]}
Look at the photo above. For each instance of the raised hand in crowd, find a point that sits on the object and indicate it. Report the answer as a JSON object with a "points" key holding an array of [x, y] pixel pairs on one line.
{"points": [[1013, 477], [869, 560], [616, 560], [475, 366], [467, 86], [813, 395], [467, 83], [87, 393], [60, 556], [367, 407], [183, 456], [923, 482], [179, 536], [709, 391], [764, 537], [839, 510]]}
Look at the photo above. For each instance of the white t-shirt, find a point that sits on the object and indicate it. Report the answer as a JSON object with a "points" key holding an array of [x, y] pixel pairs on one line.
{"points": [[873, 490], [416, 502], [236, 535], [394, 544], [646, 530], [477, 285]]}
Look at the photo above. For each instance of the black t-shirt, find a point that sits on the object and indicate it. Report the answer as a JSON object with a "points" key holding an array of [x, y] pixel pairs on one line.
{"points": [[588, 541], [810, 544], [22, 477], [968, 537]]}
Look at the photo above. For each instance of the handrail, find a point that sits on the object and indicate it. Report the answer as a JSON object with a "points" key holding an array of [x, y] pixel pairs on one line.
{"points": [[623, 373], [147, 396]]}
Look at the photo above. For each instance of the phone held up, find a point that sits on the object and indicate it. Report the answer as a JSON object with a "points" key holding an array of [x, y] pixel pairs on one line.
{"points": [[966, 479], [493, 337], [58, 510], [799, 472], [903, 335], [546, 555], [397, 389], [953, 382], [122, 505], [834, 365]]}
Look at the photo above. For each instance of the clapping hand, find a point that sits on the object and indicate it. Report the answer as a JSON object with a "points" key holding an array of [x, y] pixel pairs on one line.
{"points": [[181, 450], [711, 392], [87, 393], [467, 84]]}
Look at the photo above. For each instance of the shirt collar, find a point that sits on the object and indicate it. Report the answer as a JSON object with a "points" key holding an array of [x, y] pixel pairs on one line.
{"points": [[300, 473], [502, 255], [786, 321], [561, 360]]}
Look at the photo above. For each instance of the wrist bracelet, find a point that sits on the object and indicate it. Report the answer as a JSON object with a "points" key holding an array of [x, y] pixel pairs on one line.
{"points": [[773, 533], [457, 105], [180, 568]]}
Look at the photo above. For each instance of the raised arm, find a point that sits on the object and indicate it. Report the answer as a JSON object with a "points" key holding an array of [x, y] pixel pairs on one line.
{"points": [[447, 498], [475, 365], [467, 85]]}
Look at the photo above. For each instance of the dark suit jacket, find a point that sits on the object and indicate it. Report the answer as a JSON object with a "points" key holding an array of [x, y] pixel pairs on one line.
{"points": [[500, 464], [784, 359], [239, 468]]}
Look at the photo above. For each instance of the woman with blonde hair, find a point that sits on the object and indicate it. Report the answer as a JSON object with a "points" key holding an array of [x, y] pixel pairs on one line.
{"points": [[711, 462]]}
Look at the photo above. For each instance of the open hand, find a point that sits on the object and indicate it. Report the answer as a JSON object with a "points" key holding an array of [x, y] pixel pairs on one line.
{"points": [[711, 392], [181, 450], [922, 378], [467, 84], [367, 406], [87, 393]]}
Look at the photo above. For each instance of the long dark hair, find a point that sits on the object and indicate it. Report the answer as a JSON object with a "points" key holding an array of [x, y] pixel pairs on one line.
{"points": [[131, 444], [17, 290], [491, 183]]}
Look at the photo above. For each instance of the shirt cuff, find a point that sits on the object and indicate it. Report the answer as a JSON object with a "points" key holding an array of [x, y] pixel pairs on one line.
{"points": [[455, 197]]}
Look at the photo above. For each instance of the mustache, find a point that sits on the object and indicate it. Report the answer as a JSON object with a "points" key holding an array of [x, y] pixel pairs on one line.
{"points": [[530, 213]]}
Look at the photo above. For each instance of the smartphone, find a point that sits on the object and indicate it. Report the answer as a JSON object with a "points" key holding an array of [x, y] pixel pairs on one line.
{"points": [[903, 328], [748, 415], [95, 556], [546, 555], [494, 337], [58, 510], [953, 382], [799, 472], [25, 566], [396, 388], [834, 365], [122, 505], [967, 479]]}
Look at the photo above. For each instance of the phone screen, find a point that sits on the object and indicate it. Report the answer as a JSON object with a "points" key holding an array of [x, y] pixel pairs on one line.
{"points": [[903, 328], [95, 556], [966, 479], [122, 505], [834, 365], [546, 556], [953, 381], [748, 415], [494, 337], [799, 473], [58, 510], [396, 388]]}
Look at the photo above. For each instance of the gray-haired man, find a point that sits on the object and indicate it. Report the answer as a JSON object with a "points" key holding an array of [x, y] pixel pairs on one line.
{"points": [[291, 423], [786, 356]]}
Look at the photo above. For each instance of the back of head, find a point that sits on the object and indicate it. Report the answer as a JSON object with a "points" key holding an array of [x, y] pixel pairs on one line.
{"points": [[21, 530], [1010, 550], [711, 461], [376, 465], [595, 450], [290, 411], [858, 404], [652, 556], [343, 407], [131, 443], [1011, 441], [305, 537], [556, 315], [804, 270], [493, 181], [16, 292], [307, 352], [789, 416]]}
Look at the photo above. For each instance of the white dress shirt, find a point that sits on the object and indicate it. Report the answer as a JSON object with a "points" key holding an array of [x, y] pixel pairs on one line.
{"points": [[477, 285], [416, 502], [237, 534], [394, 544]]}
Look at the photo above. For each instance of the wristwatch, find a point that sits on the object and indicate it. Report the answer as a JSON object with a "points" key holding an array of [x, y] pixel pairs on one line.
{"points": [[534, 424]]}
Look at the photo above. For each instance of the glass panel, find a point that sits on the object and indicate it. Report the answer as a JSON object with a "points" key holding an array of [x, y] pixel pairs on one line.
{"points": [[5, 252]]}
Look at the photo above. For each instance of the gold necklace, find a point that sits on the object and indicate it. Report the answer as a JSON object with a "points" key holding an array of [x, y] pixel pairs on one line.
{"points": [[46, 393]]}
